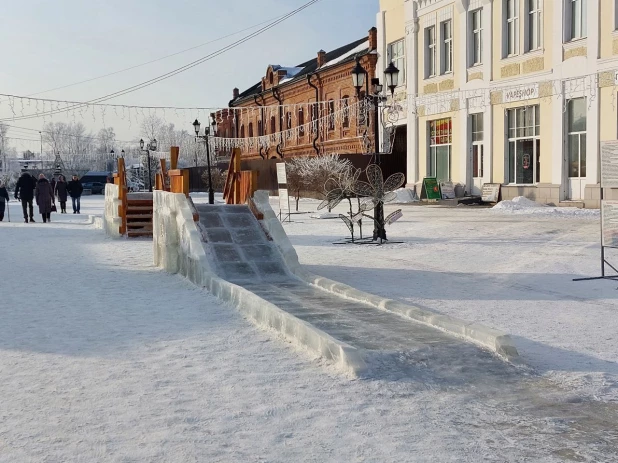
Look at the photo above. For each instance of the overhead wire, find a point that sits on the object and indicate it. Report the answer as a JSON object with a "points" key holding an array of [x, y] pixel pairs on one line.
{"points": [[170, 74]]}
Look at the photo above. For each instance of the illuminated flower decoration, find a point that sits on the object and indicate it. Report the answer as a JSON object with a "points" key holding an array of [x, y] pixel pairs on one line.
{"points": [[340, 188], [377, 190]]}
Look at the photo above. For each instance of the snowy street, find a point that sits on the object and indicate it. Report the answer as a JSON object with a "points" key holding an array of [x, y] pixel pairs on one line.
{"points": [[104, 357]]}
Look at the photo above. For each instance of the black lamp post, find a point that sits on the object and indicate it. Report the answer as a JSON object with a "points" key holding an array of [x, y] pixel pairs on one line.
{"points": [[205, 139], [359, 79], [152, 146]]}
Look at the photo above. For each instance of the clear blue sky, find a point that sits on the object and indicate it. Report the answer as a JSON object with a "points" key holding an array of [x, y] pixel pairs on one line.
{"points": [[49, 44]]}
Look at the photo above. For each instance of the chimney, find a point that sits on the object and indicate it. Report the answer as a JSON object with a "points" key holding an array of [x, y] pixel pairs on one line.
{"points": [[321, 58], [373, 39], [236, 93]]}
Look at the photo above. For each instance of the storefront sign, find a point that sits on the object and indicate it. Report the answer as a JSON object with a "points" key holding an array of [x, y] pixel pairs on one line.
{"points": [[528, 92], [610, 223], [448, 190], [609, 164], [431, 189], [490, 192]]}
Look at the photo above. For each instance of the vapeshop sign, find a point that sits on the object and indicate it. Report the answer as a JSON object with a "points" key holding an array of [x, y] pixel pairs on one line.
{"points": [[528, 92]]}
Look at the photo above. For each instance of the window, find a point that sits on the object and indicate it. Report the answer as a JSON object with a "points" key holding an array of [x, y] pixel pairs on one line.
{"points": [[346, 111], [476, 18], [512, 28], [576, 127], [440, 138], [476, 124], [576, 13], [524, 145], [535, 25], [301, 122], [273, 125], [430, 39], [314, 117], [242, 131], [250, 129], [395, 52], [260, 128], [447, 46], [331, 115], [288, 124]]}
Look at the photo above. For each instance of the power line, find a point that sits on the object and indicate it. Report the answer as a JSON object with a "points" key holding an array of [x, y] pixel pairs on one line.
{"points": [[175, 71], [154, 60]]}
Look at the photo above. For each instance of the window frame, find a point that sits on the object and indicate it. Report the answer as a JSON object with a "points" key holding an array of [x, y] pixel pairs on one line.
{"points": [[574, 10], [478, 171], [534, 23], [392, 55], [446, 47], [535, 137], [346, 111], [581, 136], [301, 122], [431, 52], [476, 34], [331, 116], [440, 138], [511, 29]]}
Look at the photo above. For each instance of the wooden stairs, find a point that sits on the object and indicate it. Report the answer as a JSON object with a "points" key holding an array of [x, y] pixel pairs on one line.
{"points": [[139, 216]]}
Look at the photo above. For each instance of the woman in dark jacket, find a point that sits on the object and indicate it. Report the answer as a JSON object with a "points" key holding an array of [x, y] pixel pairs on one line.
{"points": [[44, 198], [4, 196], [62, 194]]}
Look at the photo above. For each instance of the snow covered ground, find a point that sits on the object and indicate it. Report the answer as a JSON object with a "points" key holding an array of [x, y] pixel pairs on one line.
{"points": [[105, 358]]}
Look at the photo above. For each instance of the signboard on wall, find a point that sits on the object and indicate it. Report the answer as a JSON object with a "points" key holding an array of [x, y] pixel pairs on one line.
{"points": [[524, 92], [282, 178], [448, 190], [431, 189], [490, 192], [609, 164]]}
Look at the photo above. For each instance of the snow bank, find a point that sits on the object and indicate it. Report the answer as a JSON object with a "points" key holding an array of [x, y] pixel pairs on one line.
{"points": [[178, 248], [111, 219], [495, 340], [523, 205], [405, 195]]}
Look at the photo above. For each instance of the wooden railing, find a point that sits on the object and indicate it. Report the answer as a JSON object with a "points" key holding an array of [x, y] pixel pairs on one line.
{"points": [[120, 179], [239, 185]]}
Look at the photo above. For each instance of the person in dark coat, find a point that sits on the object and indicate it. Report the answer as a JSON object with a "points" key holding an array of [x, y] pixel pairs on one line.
{"points": [[44, 198], [4, 198], [24, 191], [52, 183], [62, 194], [75, 189]]}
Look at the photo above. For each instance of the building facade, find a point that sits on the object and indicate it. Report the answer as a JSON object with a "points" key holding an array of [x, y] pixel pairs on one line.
{"points": [[308, 109], [516, 92]]}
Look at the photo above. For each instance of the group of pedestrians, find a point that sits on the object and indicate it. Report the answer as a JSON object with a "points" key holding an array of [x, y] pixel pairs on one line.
{"points": [[44, 192]]}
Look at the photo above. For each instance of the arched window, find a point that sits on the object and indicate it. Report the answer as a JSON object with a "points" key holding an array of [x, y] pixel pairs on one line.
{"points": [[271, 79], [250, 129], [346, 111], [273, 125], [242, 131], [301, 122], [331, 115], [260, 130]]}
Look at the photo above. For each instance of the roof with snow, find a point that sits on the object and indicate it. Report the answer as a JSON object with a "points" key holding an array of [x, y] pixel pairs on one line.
{"points": [[344, 54]]}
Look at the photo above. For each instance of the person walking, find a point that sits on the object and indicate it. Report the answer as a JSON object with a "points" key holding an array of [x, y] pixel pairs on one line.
{"points": [[44, 198], [4, 197], [62, 194], [52, 183], [75, 189], [24, 192]]}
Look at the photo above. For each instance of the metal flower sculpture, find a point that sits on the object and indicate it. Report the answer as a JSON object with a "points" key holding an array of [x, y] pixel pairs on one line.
{"points": [[379, 192]]}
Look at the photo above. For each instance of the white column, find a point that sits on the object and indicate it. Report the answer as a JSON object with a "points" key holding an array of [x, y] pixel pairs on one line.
{"points": [[557, 103], [488, 143], [593, 128], [488, 41], [412, 28]]}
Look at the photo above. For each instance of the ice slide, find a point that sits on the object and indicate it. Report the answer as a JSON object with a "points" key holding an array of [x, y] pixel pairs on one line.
{"points": [[239, 251]]}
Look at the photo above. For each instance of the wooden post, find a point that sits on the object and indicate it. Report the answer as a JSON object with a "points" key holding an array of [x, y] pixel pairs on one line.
{"points": [[236, 170], [121, 181], [174, 153]]}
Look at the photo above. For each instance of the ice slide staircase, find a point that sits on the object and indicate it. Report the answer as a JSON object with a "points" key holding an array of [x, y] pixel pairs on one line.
{"points": [[240, 251]]}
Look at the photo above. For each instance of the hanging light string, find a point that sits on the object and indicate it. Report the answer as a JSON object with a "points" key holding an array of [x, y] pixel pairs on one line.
{"points": [[175, 71]]}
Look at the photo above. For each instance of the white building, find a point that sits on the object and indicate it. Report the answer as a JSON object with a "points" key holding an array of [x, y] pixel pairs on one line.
{"points": [[516, 92]]}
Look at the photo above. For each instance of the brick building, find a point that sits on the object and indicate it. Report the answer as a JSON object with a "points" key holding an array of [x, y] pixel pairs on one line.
{"points": [[313, 107]]}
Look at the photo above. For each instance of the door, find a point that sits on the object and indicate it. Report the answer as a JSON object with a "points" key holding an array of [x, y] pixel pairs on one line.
{"points": [[478, 166], [576, 166]]}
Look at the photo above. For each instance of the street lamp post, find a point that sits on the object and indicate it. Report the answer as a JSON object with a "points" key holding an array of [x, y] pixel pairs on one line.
{"points": [[152, 146], [359, 79], [205, 138]]}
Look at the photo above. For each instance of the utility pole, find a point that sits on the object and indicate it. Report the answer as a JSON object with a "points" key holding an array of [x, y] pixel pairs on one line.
{"points": [[41, 135]]}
